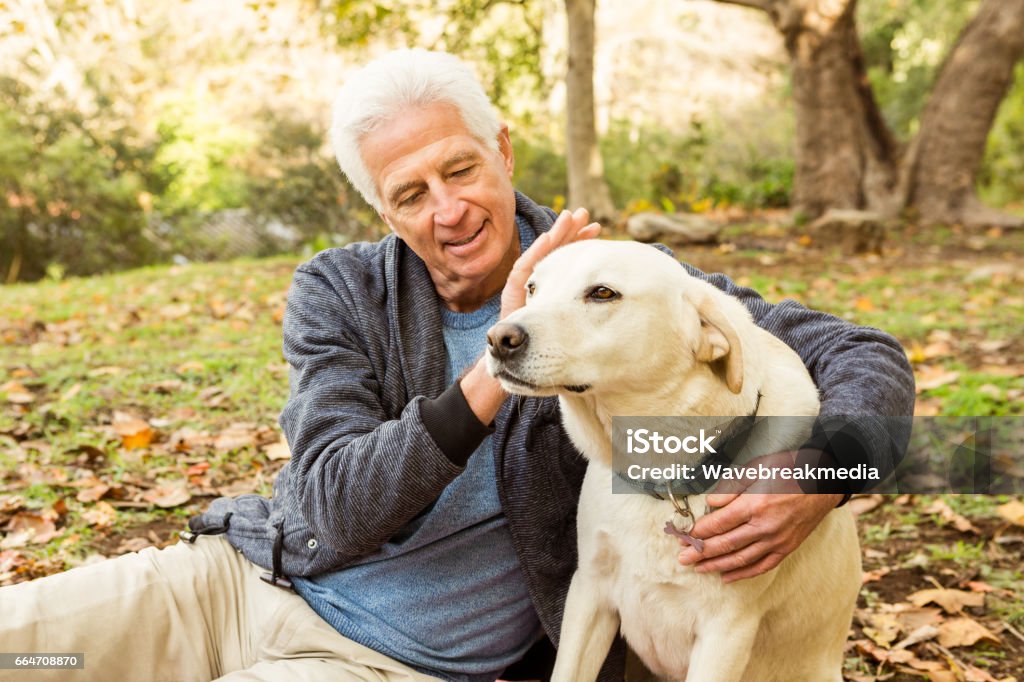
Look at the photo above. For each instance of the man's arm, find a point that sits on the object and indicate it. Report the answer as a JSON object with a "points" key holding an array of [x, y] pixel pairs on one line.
{"points": [[360, 474], [860, 372]]}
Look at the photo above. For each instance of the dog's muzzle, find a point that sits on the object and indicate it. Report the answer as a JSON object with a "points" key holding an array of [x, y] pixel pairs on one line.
{"points": [[505, 340]]}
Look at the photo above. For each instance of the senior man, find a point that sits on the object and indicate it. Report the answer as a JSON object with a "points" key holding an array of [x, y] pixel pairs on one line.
{"points": [[425, 525]]}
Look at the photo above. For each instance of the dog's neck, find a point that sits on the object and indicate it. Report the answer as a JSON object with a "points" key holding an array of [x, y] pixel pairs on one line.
{"points": [[588, 417]]}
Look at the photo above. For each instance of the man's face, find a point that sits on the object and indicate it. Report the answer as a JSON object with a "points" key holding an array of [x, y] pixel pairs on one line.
{"points": [[449, 197]]}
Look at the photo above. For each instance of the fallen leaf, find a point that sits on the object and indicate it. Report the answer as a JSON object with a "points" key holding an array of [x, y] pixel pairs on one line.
{"points": [[92, 493], [235, 437], [105, 371], [921, 634], [964, 632], [864, 304], [862, 504], [17, 393], [943, 676], [134, 433], [882, 628], [874, 576], [1012, 511], [883, 655], [929, 377], [913, 618], [30, 527], [946, 513], [11, 503], [70, 393], [102, 515], [169, 495], [190, 367], [978, 586], [278, 450], [951, 601]]}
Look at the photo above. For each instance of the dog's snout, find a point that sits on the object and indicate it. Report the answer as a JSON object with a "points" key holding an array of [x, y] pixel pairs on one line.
{"points": [[505, 339]]}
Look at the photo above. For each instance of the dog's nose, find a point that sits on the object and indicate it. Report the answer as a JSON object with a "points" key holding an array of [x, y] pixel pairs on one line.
{"points": [[505, 339]]}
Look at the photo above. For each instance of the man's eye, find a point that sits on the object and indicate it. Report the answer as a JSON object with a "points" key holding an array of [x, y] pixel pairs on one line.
{"points": [[411, 199], [462, 171], [600, 293]]}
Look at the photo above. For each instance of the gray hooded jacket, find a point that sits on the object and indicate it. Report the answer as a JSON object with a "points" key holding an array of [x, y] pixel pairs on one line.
{"points": [[375, 436]]}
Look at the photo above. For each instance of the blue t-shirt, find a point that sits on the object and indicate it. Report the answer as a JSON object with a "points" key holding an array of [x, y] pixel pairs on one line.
{"points": [[445, 594]]}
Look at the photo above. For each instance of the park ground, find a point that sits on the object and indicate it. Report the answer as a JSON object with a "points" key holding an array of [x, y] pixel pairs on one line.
{"points": [[129, 401]]}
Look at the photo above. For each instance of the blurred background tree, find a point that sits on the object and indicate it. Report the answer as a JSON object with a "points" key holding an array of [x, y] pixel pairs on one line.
{"points": [[137, 131]]}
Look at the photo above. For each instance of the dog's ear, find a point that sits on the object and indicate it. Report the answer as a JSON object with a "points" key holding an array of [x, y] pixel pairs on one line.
{"points": [[718, 341]]}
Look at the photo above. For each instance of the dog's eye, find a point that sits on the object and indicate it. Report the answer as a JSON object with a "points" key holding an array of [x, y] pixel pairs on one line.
{"points": [[530, 288], [600, 293]]}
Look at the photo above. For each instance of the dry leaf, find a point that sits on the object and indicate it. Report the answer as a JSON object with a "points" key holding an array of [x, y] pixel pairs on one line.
{"points": [[192, 366], [102, 515], [943, 676], [278, 450], [932, 376], [874, 576], [235, 437], [913, 618], [946, 513], [70, 393], [135, 433], [169, 495], [883, 629], [30, 527], [1012, 511], [883, 655], [92, 493], [951, 601], [107, 370], [922, 634], [17, 393], [862, 504], [864, 304], [964, 632]]}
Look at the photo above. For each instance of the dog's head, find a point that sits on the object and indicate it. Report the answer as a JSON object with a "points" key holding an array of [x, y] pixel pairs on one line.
{"points": [[611, 316]]}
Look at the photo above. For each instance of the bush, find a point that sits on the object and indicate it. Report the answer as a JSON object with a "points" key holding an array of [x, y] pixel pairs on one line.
{"points": [[69, 201]]}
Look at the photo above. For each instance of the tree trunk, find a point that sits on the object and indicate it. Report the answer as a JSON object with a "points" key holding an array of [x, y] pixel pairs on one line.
{"points": [[955, 124], [587, 187], [846, 156]]}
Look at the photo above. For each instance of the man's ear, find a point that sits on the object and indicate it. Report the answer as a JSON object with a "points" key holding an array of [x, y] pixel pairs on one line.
{"points": [[719, 342], [505, 147], [386, 220]]}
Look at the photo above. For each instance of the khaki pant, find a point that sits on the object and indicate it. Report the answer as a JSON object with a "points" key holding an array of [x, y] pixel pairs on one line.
{"points": [[188, 612]]}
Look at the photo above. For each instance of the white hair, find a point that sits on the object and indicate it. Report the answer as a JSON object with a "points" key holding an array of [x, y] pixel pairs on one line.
{"points": [[399, 81]]}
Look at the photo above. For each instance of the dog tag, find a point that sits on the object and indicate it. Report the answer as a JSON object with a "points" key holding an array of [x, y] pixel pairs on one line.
{"points": [[696, 543]]}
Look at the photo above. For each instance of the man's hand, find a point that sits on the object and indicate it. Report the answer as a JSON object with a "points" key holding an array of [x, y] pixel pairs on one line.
{"points": [[751, 533], [568, 228], [483, 392]]}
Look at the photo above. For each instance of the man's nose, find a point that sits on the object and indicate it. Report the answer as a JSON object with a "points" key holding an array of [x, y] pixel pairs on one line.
{"points": [[505, 339], [449, 208]]}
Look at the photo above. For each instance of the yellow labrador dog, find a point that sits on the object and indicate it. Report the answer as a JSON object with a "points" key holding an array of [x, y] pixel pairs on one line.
{"points": [[620, 329]]}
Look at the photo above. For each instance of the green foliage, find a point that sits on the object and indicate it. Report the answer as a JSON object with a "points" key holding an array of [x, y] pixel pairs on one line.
{"points": [[70, 203], [1002, 175], [701, 168], [904, 44], [298, 182], [540, 170], [198, 159]]}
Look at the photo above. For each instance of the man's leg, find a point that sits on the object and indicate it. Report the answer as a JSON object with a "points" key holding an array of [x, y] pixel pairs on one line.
{"points": [[170, 614], [188, 612]]}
